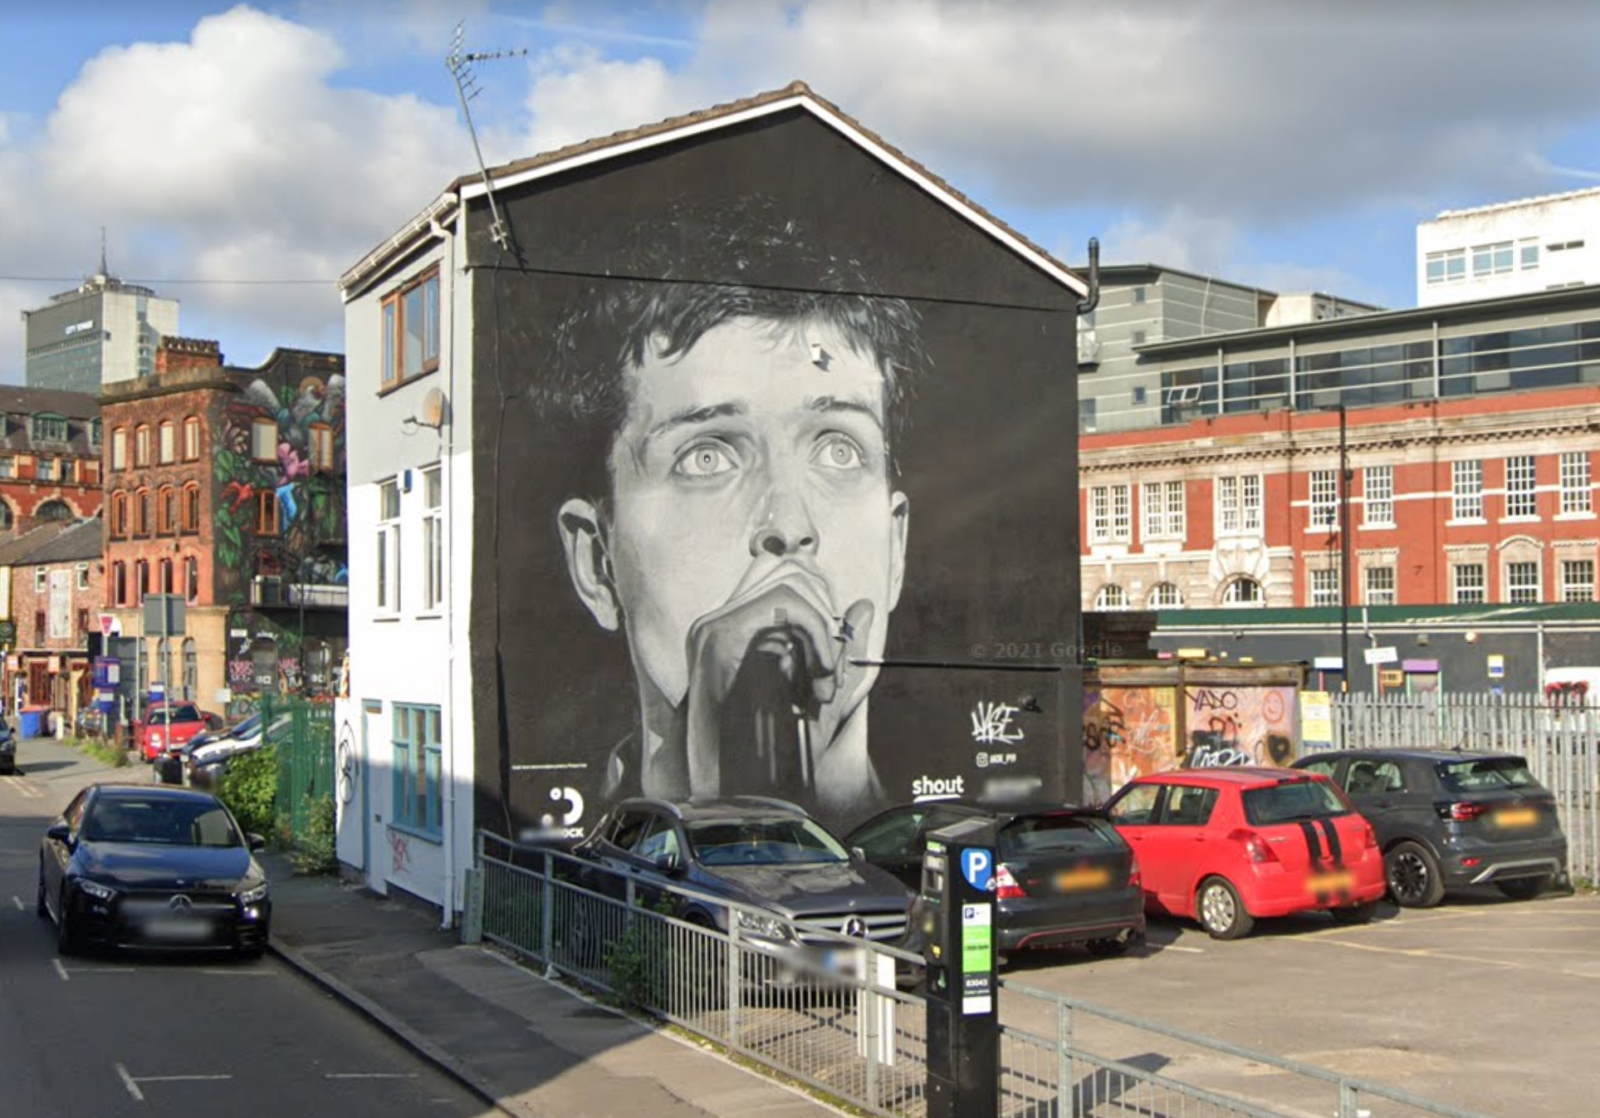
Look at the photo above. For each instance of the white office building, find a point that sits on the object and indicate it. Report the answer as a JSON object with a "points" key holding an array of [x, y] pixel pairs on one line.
{"points": [[1509, 248], [100, 333]]}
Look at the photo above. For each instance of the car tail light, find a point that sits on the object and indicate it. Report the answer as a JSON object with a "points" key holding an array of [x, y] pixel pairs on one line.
{"points": [[1369, 837], [1255, 846], [1135, 878], [1005, 885], [1462, 812]]}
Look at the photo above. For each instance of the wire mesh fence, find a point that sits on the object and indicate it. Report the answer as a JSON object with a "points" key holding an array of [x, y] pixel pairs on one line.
{"points": [[1560, 742], [847, 1017]]}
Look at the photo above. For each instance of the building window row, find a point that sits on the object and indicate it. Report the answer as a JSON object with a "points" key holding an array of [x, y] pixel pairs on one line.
{"points": [[157, 446], [1163, 595], [411, 329], [131, 582], [176, 512], [393, 538]]}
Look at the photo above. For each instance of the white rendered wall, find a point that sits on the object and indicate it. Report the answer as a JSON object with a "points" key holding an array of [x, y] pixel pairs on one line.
{"points": [[1557, 220]]}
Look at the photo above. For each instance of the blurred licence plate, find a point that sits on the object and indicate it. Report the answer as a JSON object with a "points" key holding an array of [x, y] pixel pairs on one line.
{"points": [[1084, 877], [1326, 882], [1516, 817], [176, 930]]}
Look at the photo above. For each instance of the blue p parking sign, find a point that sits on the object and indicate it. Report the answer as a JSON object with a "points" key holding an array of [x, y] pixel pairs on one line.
{"points": [[977, 866]]}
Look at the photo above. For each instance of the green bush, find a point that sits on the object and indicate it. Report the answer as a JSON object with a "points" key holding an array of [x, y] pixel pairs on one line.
{"points": [[249, 786], [314, 852]]}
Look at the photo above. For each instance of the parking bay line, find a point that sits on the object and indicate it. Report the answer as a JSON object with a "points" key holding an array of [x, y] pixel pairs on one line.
{"points": [[1446, 956], [132, 1083], [370, 1075]]}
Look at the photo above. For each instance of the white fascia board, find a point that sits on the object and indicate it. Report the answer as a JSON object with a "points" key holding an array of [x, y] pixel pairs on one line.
{"points": [[939, 193], [353, 281]]}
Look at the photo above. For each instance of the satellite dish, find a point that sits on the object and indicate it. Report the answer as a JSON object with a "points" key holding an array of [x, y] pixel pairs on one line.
{"points": [[432, 409]]}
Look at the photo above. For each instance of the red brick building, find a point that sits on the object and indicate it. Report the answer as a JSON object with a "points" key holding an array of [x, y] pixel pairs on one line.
{"points": [[54, 576], [49, 457], [225, 487]]}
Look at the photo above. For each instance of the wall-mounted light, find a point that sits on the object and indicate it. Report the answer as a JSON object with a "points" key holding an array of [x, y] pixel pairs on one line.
{"points": [[1472, 636]]}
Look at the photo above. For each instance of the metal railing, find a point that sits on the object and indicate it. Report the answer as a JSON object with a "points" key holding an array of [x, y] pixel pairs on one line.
{"points": [[836, 1016], [1561, 744]]}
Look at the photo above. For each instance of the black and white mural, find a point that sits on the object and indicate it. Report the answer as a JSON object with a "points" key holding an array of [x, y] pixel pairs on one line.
{"points": [[776, 488]]}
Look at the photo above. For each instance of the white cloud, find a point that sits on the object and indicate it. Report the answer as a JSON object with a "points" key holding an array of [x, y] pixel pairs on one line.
{"points": [[234, 155]]}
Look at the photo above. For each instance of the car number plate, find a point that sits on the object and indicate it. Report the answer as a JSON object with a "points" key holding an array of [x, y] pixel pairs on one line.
{"points": [[177, 930], [1084, 877], [1516, 817], [1327, 882]]}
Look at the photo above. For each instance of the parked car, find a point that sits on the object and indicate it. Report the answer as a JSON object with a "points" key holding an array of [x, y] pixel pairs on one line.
{"points": [[751, 850], [166, 724], [1447, 818], [1227, 846], [152, 866], [1064, 876], [206, 760], [8, 748]]}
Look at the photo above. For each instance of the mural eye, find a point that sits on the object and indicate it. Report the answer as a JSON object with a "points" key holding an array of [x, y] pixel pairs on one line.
{"points": [[839, 452], [706, 460]]}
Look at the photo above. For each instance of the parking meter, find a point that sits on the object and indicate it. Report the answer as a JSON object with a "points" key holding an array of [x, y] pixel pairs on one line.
{"points": [[957, 908]]}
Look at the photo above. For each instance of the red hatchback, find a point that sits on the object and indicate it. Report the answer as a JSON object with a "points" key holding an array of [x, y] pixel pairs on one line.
{"points": [[169, 724], [1228, 845]]}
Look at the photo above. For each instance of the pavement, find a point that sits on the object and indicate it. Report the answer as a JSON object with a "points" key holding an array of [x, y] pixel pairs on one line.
{"points": [[532, 1047]]}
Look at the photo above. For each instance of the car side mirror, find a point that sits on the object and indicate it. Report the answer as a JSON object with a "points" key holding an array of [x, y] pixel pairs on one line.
{"points": [[669, 864], [59, 832], [858, 854], [255, 842]]}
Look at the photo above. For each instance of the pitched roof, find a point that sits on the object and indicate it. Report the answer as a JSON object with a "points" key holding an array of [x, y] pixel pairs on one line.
{"points": [[77, 541], [17, 399], [20, 549], [795, 95]]}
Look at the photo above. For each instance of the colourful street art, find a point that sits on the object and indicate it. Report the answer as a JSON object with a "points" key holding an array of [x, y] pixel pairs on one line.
{"points": [[1127, 731], [1239, 726]]}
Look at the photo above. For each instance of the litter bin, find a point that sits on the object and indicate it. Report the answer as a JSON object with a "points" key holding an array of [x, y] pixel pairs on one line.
{"points": [[31, 722]]}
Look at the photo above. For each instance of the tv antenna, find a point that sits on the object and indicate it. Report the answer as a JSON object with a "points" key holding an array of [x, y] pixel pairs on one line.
{"points": [[459, 62]]}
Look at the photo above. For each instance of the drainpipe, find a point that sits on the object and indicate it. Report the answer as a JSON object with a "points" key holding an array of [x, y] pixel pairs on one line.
{"points": [[1092, 300], [447, 515]]}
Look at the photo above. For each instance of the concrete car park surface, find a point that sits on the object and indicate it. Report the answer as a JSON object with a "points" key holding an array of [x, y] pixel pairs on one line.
{"points": [[1483, 1003]]}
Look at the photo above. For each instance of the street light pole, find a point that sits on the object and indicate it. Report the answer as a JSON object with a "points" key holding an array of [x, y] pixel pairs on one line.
{"points": [[1344, 551]]}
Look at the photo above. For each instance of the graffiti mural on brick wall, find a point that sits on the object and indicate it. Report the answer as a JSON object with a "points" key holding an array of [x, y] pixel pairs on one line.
{"points": [[1127, 731], [276, 506], [1239, 726], [1130, 731]]}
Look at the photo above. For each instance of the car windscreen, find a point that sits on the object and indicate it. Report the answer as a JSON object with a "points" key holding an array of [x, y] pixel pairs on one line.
{"points": [[1057, 834], [1291, 802], [160, 822], [764, 842], [1486, 774]]}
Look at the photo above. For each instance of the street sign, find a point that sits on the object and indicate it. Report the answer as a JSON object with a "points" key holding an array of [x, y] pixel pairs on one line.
{"points": [[163, 615], [110, 625], [1380, 655]]}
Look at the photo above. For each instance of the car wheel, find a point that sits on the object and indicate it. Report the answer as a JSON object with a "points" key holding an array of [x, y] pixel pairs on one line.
{"points": [[1524, 888], [67, 942], [1356, 913], [1220, 910], [1414, 878]]}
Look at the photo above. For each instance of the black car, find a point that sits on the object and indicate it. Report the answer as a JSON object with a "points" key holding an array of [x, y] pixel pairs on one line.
{"points": [[1064, 876], [8, 748], [152, 866], [1447, 818], [751, 850]]}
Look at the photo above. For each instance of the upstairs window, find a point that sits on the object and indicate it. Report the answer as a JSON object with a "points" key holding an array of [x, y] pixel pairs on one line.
{"points": [[1522, 498], [1466, 490], [264, 439], [1576, 496], [1377, 496], [321, 447], [1110, 513], [94, 432], [411, 329], [1324, 498], [119, 449], [1238, 504], [141, 446], [167, 443], [191, 438], [48, 428], [1163, 510], [1447, 267], [191, 509]]}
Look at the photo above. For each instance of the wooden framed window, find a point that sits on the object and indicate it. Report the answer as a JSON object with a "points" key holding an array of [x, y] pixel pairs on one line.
{"points": [[119, 448], [191, 578], [191, 509], [267, 512], [167, 443], [191, 439], [141, 580], [141, 513], [167, 511], [119, 583], [411, 329], [264, 439], [119, 516], [321, 447], [165, 572], [141, 446]]}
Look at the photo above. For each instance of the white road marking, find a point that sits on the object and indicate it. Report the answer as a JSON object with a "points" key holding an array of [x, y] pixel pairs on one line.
{"points": [[62, 971], [127, 1081], [370, 1075], [18, 902], [180, 1078], [256, 972], [1176, 947]]}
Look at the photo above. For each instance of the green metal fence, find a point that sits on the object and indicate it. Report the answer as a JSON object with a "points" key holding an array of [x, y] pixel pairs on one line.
{"points": [[301, 731]]}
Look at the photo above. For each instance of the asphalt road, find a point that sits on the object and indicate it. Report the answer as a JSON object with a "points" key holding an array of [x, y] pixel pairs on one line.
{"points": [[123, 1035], [1483, 1003]]}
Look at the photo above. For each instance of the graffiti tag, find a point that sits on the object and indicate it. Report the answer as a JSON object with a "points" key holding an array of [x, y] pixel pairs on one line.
{"points": [[991, 724], [1209, 756]]}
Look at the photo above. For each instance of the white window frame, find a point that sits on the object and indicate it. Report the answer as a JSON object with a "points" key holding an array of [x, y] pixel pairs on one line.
{"points": [[1324, 506], [1466, 490], [1165, 595], [1520, 588], [1469, 583], [1577, 580], [1110, 513], [1451, 266], [1164, 509], [1231, 592], [1577, 497], [119, 448], [1111, 597], [1324, 589], [1239, 509], [433, 586], [1522, 487], [1378, 587], [387, 576], [1496, 259], [1377, 497]]}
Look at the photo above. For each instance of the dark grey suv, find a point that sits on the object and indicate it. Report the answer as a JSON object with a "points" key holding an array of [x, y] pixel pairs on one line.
{"points": [[1447, 818], [753, 851]]}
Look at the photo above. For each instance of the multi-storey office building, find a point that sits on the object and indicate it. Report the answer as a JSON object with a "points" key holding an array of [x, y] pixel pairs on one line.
{"points": [[1509, 248], [103, 332]]}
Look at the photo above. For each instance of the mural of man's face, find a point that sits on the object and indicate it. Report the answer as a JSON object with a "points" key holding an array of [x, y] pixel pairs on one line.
{"points": [[750, 490]]}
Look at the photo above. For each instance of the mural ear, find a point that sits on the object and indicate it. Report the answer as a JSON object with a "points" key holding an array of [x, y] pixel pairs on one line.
{"points": [[587, 562], [900, 525]]}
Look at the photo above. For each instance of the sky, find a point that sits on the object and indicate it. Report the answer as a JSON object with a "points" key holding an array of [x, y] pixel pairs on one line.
{"points": [[239, 158]]}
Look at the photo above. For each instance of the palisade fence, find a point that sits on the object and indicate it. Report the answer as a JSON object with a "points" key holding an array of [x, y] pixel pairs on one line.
{"points": [[301, 730], [852, 1030], [1561, 744]]}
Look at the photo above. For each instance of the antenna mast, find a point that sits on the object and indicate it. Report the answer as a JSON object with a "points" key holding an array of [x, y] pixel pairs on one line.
{"points": [[460, 63]]}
